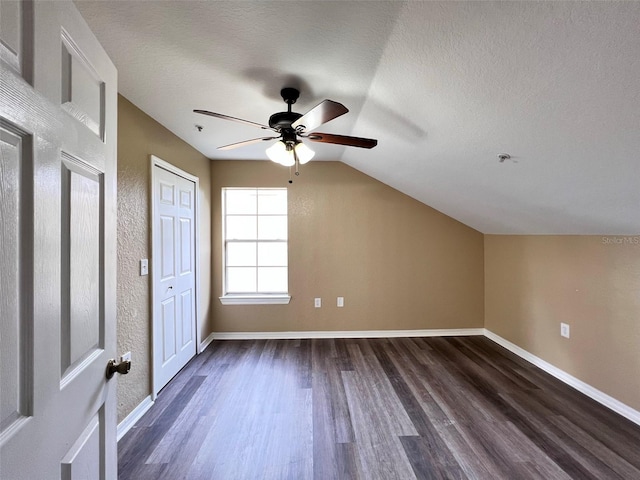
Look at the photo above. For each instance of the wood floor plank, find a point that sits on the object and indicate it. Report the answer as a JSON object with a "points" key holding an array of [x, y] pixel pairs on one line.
{"points": [[426, 459], [332, 428], [471, 458], [366, 409], [380, 452], [348, 464], [429, 439], [609, 428], [377, 393], [154, 433], [597, 448]]}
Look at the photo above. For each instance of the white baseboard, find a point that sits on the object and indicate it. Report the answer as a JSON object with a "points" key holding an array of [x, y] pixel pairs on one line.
{"points": [[205, 343], [591, 392], [130, 420], [346, 334]]}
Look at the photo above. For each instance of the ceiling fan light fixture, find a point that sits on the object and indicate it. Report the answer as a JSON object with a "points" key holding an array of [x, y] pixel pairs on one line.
{"points": [[278, 153], [304, 153], [282, 153]]}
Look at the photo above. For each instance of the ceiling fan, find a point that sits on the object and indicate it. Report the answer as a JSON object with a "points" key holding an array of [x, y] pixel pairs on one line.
{"points": [[289, 150]]}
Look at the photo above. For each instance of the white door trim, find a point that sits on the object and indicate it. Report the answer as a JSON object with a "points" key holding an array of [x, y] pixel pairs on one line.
{"points": [[158, 162]]}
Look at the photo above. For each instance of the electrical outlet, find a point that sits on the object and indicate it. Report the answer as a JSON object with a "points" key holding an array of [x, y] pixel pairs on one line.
{"points": [[340, 302], [125, 357], [565, 330], [318, 302]]}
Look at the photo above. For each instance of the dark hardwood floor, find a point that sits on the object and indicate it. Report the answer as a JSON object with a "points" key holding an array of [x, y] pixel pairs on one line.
{"points": [[399, 408]]}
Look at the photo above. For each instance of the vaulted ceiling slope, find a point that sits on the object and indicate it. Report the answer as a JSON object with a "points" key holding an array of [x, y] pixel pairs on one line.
{"points": [[444, 86]]}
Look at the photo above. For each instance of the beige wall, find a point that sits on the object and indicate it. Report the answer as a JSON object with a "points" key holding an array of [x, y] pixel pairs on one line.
{"points": [[139, 136], [533, 283], [398, 263]]}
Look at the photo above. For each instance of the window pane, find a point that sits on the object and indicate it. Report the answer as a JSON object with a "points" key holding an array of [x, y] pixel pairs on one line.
{"points": [[272, 279], [255, 239], [272, 254], [272, 228], [240, 201], [241, 228], [272, 202], [241, 254], [241, 279]]}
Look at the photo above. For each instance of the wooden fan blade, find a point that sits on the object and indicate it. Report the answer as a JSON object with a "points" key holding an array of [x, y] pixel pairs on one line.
{"points": [[321, 113], [233, 119], [246, 142], [342, 140]]}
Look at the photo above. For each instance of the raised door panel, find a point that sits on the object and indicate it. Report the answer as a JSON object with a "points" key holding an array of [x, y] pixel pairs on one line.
{"points": [[186, 198], [167, 194], [186, 316], [16, 37], [79, 462], [168, 312], [81, 336], [186, 246], [16, 340], [168, 247], [82, 92]]}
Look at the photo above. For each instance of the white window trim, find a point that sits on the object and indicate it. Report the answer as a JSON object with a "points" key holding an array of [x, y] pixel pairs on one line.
{"points": [[246, 299], [232, 299]]}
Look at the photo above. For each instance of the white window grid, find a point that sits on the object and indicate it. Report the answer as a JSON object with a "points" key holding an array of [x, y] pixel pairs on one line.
{"points": [[256, 241]]}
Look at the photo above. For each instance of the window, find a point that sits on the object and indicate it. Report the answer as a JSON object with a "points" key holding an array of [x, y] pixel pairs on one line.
{"points": [[254, 225]]}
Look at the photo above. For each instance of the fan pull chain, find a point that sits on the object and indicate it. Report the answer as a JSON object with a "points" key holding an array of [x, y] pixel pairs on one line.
{"points": [[297, 161]]}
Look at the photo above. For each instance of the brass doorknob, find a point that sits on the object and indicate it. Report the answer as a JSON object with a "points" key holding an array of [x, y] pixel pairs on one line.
{"points": [[122, 368]]}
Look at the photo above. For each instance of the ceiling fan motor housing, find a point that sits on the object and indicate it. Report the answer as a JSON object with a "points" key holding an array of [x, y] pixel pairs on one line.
{"points": [[289, 136], [282, 120]]}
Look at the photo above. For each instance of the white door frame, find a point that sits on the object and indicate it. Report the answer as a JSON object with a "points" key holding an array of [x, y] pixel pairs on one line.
{"points": [[158, 162]]}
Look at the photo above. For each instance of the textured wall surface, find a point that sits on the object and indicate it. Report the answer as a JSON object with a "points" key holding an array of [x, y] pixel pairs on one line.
{"points": [[139, 136], [398, 263], [590, 282]]}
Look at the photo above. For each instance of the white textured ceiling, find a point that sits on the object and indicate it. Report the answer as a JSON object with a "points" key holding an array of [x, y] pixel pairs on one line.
{"points": [[444, 86]]}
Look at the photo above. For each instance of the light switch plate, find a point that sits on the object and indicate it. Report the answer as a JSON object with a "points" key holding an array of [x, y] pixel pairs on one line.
{"points": [[317, 302], [340, 302], [565, 330], [144, 267]]}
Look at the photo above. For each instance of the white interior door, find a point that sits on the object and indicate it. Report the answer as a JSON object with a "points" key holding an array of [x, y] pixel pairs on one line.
{"points": [[58, 245], [174, 274]]}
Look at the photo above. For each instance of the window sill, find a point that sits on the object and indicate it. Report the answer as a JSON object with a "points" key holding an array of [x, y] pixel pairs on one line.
{"points": [[255, 299]]}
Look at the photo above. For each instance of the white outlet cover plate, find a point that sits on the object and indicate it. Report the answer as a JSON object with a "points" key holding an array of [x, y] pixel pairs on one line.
{"points": [[144, 267], [317, 302]]}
